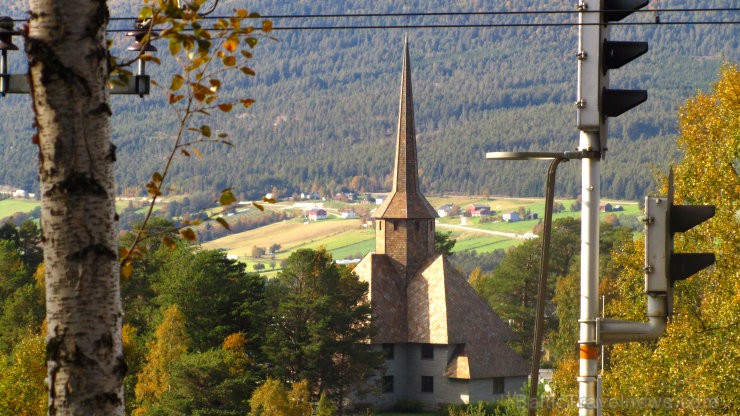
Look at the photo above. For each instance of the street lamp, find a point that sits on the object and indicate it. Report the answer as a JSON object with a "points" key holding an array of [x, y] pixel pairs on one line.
{"points": [[555, 159]]}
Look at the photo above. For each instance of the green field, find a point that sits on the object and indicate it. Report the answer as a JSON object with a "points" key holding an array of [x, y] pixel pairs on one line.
{"points": [[483, 244], [349, 239], [9, 207], [354, 244]]}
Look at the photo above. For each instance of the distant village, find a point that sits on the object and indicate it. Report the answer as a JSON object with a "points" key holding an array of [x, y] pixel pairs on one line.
{"points": [[7, 192]]}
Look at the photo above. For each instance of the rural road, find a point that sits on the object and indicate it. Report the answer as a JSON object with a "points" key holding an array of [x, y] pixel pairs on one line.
{"points": [[478, 230]]}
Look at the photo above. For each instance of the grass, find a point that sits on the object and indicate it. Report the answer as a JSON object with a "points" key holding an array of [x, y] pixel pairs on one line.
{"points": [[485, 244], [291, 235], [10, 206], [352, 243]]}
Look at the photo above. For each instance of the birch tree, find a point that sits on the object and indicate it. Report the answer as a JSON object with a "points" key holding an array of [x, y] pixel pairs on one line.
{"points": [[68, 68]]}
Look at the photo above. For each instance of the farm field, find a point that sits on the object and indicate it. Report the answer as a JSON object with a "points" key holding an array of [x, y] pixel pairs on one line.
{"points": [[348, 239], [10, 206], [291, 235]]}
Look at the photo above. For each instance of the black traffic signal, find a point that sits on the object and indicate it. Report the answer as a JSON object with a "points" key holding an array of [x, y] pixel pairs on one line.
{"points": [[663, 267], [616, 54], [597, 55]]}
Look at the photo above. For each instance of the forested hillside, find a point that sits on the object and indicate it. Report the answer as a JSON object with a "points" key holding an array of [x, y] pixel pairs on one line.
{"points": [[326, 102]]}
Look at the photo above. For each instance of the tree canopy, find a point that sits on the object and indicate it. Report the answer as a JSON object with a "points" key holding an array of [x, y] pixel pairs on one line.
{"points": [[691, 369], [320, 325]]}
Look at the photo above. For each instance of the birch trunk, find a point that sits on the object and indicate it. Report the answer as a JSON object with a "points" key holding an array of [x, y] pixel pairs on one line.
{"points": [[68, 66]]}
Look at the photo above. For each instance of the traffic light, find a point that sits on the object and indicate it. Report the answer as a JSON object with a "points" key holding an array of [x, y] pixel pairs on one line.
{"points": [[596, 56], [663, 267]]}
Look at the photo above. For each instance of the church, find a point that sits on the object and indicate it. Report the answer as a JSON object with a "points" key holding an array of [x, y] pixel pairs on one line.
{"points": [[442, 343]]}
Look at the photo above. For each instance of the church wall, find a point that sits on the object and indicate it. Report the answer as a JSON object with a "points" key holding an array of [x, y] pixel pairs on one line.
{"points": [[445, 390], [514, 385], [396, 368], [395, 244], [481, 390]]}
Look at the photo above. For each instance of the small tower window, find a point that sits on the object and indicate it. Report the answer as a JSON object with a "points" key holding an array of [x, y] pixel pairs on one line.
{"points": [[427, 351], [395, 225], [380, 225], [388, 351], [417, 224]]}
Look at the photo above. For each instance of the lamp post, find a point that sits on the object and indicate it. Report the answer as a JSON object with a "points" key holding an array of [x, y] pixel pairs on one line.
{"points": [[555, 158]]}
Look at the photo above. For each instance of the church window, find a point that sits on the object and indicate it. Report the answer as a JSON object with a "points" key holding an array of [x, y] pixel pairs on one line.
{"points": [[498, 385], [387, 384], [427, 384]]}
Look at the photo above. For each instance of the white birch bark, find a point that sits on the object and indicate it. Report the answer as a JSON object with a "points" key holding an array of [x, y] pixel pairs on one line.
{"points": [[68, 65]]}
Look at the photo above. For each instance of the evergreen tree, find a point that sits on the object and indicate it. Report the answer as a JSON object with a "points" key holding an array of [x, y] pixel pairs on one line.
{"points": [[215, 294], [319, 326]]}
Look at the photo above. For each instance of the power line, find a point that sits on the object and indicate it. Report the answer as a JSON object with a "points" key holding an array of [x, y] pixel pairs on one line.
{"points": [[452, 14], [491, 13], [461, 25], [474, 25]]}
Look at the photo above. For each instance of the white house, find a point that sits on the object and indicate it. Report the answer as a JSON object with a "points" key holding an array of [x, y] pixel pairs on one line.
{"points": [[512, 216]]}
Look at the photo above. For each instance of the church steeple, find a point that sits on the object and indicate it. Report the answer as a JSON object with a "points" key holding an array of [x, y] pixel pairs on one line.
{"points": [[405, 220], [405, 199]]}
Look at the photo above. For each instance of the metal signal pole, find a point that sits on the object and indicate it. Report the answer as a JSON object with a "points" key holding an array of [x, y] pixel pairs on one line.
{"points": [[588, 351], [597, 102]]}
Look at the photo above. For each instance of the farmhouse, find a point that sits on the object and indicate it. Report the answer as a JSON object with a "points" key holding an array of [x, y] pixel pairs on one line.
{"points": [[444, 210], [512, 216], [477, 210], [316, 214], [442, 342]]}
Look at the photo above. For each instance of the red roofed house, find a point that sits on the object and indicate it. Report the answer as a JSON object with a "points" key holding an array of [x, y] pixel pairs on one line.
{"points": [[477, 210], [442, 342], [316, 214]]}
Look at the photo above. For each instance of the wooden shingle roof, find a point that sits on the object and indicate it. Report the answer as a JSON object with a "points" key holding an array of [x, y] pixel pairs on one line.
{"points": [[405, 199]]}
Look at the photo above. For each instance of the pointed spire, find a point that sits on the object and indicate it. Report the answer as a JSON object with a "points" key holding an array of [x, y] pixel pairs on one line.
{"points": [[406, 200]]}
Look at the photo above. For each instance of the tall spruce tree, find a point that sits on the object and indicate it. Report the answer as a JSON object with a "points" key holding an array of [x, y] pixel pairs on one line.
{"points": [[320, 325]]}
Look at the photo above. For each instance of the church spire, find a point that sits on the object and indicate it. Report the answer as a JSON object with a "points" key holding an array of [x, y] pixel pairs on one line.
{"points": [[405, 199]]}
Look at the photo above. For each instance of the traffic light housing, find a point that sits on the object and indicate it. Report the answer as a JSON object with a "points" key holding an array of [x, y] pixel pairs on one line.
{"points": [[596, 56], [663, 267]]}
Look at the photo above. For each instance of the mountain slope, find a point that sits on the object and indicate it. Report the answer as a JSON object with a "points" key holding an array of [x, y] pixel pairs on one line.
{"points": [[326, 111]]}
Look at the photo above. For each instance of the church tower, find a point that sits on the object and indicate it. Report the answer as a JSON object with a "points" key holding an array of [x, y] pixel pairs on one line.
{"points": [[405, 221], [441, 341]]}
